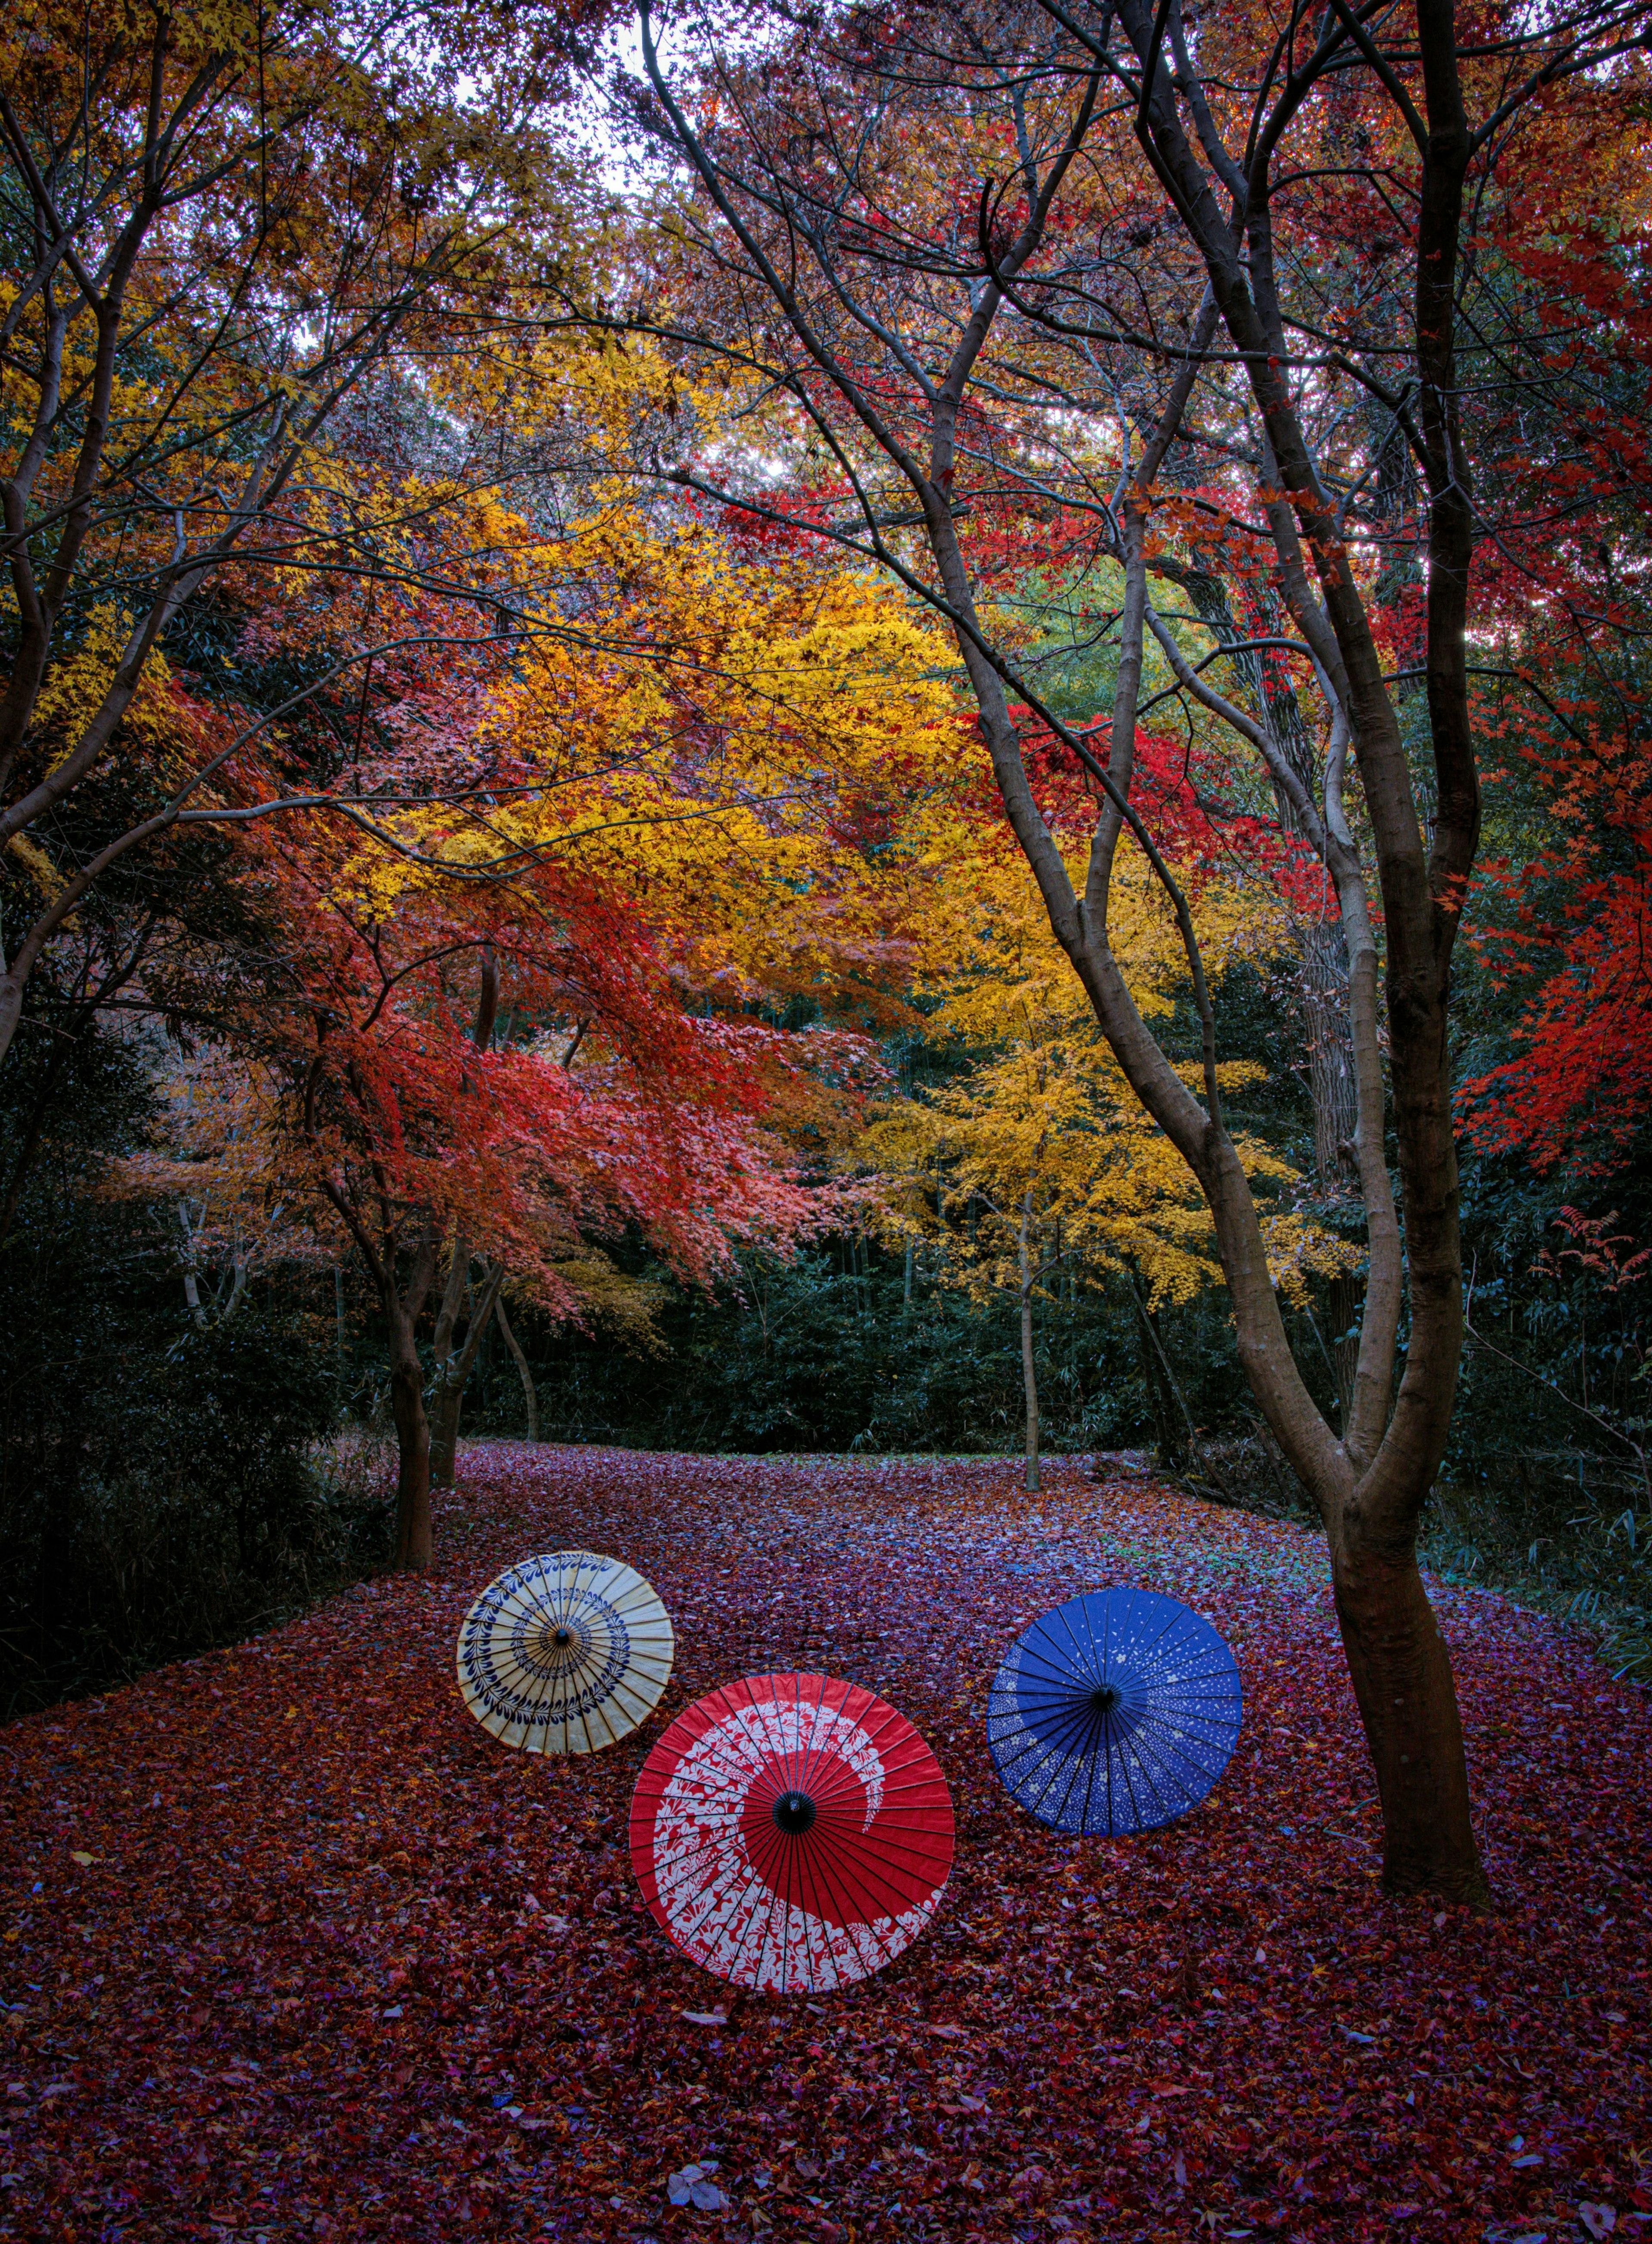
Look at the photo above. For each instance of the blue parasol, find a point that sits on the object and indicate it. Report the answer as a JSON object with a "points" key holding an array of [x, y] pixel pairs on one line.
{"points": [[1116, 1712]]}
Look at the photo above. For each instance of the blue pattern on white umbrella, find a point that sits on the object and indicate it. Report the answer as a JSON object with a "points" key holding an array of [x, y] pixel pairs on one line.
{"points": [[1116, 1713]]}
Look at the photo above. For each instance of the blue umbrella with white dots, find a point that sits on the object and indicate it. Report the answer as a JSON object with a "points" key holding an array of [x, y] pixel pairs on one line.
{"points": [[1116, 1712]]}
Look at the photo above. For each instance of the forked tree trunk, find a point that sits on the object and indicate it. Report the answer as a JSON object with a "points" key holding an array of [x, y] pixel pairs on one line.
{"points": [[449, 1391], [1370, 1484], [400, 1307]]}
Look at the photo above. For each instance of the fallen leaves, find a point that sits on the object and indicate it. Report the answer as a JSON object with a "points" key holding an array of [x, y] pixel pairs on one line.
{"points": [[372, 1974], [693, 2186]]}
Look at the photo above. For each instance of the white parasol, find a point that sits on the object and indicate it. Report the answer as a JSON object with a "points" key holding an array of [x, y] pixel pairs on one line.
{"points": [[564, 1654]]}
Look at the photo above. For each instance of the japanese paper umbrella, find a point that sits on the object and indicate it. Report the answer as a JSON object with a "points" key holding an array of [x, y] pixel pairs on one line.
{"points": [[1116, 1712], [791, 1833], [564, 1654]]}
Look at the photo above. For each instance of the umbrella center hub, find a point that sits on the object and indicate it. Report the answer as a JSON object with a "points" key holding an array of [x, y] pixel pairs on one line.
{"points": [[1106, 1699], [794, 1813]]}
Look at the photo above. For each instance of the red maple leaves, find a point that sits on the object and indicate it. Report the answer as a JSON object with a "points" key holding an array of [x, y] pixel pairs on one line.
{"points": [[295, 1950]]}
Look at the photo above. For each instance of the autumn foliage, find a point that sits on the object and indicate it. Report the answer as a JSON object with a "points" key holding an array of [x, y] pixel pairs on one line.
{"points": [[1044, 536]]}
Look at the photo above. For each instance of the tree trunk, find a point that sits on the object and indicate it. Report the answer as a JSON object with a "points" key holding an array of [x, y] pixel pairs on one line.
{"points": [[1334, 1087], [1369, 1486], [413, 1544], [1029, 1375], [1172, 1449], [451, 1376], [526, 1375], [191, 1286], [445, 1405], [1402, 1678], [449, 1392], [451, 1380]]}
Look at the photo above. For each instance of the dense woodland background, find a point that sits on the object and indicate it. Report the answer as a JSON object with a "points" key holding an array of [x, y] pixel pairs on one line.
{"points": [[481, 538], [169, 1484]]}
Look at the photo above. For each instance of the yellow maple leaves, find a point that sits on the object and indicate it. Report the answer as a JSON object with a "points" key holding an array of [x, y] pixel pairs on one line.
{"points": [[759, 754], [1040, 1128]]}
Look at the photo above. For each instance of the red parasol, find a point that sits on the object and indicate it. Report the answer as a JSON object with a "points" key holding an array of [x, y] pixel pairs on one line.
{"points": [[791, 1833]]}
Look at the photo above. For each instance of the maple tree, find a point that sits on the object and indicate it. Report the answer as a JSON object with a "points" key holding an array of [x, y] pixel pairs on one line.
{"points": [[1059, 262], [722, 804], [227, 233], [1564, 929], [1037, 1159], [427, 727], [414, 1136]]}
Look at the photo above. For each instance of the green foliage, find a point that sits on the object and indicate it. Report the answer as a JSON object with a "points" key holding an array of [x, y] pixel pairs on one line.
{"points": [[826, 1353]]}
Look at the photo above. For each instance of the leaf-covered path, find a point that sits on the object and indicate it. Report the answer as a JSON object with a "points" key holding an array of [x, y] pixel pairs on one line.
{"points": [[292, 1950]]}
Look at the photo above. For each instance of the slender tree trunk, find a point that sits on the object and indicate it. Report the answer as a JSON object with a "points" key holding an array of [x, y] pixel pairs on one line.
{"points": [[413, 1544], [445, 1406], [523, 1373], [1334, 1087], [449, 1390], [1163, 1402], [451, 1376], [449, 1393], [1029, 1374], [191, 1283]]}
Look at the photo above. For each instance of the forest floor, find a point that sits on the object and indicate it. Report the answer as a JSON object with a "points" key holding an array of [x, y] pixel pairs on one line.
{"points": [[293, 1949]]}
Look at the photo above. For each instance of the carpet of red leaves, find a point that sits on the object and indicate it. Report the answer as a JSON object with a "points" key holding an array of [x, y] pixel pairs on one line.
{"points": [[292, 1950]]}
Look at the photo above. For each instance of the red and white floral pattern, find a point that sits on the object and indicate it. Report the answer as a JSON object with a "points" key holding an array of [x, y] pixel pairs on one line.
{"points": [[780, 1910]]}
